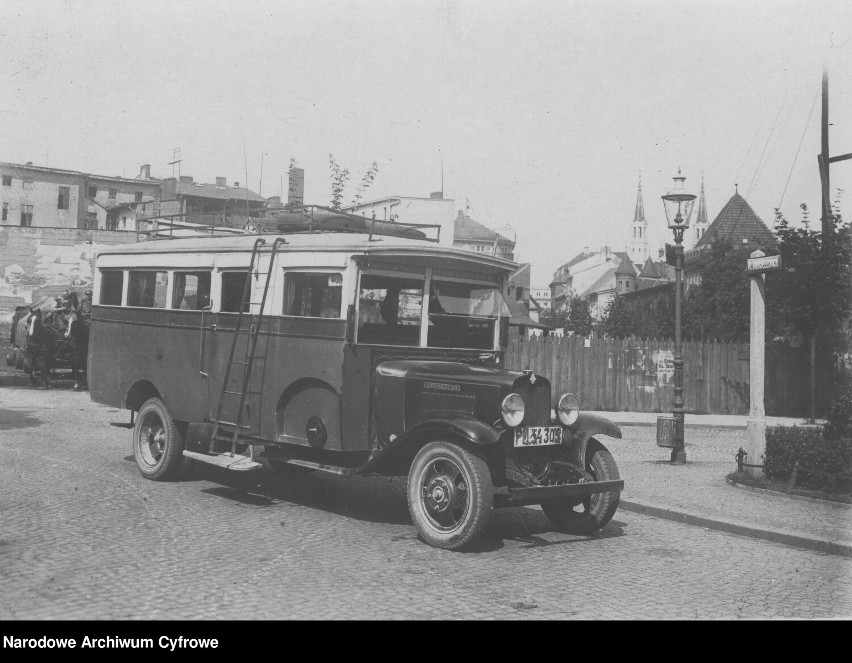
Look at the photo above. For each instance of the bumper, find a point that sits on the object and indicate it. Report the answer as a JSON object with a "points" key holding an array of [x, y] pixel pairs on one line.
{"points": [[536, 494]]}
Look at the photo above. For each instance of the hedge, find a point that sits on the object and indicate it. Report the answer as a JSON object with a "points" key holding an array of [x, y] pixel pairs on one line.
{"points": [[786, 445]]}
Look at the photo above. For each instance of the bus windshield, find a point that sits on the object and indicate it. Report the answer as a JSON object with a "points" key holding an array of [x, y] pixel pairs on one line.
{"points": [[460, 315]]}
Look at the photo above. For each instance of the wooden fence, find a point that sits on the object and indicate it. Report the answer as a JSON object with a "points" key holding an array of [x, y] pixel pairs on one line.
{"points": [[637, 375]]}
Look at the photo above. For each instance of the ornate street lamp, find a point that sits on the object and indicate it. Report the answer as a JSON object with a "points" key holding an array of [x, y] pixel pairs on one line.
{"points": [[678, 204]]}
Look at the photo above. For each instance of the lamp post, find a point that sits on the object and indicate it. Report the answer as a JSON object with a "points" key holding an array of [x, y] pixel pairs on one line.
{"points": [[678, 204]]}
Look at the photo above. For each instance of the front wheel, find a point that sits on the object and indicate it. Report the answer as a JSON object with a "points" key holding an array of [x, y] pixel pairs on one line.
{"points": [[449, 495], [157, 442], [592, 512]]}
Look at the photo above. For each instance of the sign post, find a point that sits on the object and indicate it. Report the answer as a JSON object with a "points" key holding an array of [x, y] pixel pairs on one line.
{"points": [[758, 264]]}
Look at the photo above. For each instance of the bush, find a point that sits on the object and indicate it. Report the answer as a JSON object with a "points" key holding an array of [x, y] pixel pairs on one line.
{"points": [[787, 445], [840, 411]]}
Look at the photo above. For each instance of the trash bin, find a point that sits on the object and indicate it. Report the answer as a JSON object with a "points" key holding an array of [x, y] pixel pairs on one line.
{"points": [[666, 432]]}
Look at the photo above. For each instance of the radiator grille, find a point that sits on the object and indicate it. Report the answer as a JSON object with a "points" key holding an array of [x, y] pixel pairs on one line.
{"points": [[435, 403], [537, 403]]}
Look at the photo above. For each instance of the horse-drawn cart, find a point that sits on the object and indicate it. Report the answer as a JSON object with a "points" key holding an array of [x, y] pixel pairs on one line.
{"points": [[50, 333]]}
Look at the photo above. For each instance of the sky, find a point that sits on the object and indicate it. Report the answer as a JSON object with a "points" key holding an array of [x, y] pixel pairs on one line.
{"points": [[542, 114]]}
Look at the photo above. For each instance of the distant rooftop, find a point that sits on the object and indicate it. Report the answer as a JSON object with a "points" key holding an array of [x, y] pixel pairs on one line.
{"points": [[737, 223]]}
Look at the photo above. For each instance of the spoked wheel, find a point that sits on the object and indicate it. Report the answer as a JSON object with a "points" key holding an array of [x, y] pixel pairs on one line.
{"points": [[587, 514], [449, 495], [157, 442]]}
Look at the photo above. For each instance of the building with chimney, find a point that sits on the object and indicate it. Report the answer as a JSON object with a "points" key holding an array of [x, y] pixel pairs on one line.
{"points": [[38, 196]]}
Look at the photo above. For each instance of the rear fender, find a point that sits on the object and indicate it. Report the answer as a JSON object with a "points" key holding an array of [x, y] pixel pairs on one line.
{"points": [[586, 426]]}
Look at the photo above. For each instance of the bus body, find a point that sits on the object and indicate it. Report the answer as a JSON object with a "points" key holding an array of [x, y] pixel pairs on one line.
{"points": [[367, 354]]}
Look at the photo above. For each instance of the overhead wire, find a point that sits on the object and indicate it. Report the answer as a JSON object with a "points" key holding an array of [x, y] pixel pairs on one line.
{"points": [[804, 131], [768, 138], [778, 135]]}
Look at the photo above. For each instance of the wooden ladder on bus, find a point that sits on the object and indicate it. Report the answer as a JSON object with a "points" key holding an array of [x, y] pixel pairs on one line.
{"points": [[231, 430]]}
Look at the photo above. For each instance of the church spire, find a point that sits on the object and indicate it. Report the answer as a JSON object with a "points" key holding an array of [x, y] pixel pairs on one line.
{"points": [[701, 222], [639, 214], [637, 246]]}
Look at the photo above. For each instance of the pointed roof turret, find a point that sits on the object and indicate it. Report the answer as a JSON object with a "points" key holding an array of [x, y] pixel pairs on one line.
{"points": [[639, 214], [702, 207], [737, 223]]}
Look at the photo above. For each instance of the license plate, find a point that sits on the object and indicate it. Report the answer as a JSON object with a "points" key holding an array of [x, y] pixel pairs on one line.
{"points": [[535, 436]]}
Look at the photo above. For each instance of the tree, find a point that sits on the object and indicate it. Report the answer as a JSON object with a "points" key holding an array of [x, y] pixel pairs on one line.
{"points": [[719, 307], [366, 181], [620, 318], [812, 294], [340, 177], [579, 317], [556, 319]]}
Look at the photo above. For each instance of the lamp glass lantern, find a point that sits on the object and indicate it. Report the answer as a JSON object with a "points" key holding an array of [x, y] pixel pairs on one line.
{"points": [[678, 204]]}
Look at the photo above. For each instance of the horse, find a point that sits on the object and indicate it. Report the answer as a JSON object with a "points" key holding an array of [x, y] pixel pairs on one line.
{"points": [[77, 336], [40, 347]]}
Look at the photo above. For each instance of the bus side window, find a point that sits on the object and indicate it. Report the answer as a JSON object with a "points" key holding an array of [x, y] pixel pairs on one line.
{"points": [[191, 290], [313, 295], [147, 289], [233, 285], [112, 285]]}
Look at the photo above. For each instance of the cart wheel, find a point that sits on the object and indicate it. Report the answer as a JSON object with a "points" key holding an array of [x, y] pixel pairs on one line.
{"points": [[449, 495], [157, 442], [593, 511]]}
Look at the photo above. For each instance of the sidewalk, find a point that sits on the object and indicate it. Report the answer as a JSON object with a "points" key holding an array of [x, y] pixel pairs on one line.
{"points": [[697, 493]]}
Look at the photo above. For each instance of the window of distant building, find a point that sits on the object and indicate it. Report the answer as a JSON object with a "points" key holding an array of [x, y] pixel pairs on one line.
{"points": [[26, 215], [64, 197], [93, 191], [5, 211], [28, 182], [138, 196], [113, 193], [7, 180]]}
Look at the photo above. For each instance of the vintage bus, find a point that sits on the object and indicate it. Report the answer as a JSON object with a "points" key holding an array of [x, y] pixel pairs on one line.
{"points": [[343, 352]]}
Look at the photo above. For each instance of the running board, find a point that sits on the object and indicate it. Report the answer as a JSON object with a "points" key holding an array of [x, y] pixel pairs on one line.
{"points": [[225, 460], [331, 469]]}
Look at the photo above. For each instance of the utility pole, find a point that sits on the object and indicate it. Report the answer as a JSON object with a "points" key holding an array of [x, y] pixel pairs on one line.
{"points": [[824, 161]]}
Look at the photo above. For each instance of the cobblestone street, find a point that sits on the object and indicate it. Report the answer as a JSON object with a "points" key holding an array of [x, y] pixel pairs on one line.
{"points": [[83, 535]]}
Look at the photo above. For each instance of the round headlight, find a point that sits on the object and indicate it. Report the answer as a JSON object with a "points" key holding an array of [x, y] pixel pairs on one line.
{"points": [[513, 410], [568, 409]]}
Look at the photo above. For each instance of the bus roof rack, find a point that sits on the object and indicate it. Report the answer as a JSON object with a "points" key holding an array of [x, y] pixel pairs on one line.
{"points": [[290, 220]]}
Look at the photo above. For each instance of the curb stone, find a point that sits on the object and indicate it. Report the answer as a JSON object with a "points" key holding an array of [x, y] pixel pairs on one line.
{"points": [[820, 544], [792, 496]]}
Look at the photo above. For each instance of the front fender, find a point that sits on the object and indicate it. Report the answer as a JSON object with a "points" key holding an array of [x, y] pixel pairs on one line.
{"points": [[473, 430], [586, 426]]}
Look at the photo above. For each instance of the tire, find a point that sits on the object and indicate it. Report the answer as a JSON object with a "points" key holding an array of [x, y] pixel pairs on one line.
{"points": [[157, 443], [594, 511], [449, 495], [287, 470]]}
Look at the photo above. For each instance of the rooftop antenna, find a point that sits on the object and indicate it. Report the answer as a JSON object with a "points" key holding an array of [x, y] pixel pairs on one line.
{"points": [[175, 160], [442, 171]]}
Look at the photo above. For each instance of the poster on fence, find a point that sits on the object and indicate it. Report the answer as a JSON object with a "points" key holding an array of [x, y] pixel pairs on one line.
{"points": [[664, 360]]}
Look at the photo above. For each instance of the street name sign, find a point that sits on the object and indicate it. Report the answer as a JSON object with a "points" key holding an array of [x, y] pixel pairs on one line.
{"points": [[761, 264]]}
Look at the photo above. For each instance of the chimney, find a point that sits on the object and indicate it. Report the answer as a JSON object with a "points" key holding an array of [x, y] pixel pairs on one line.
{"points": [[236, 183], [145, 172], [661, 254], [436, 195], [220, 181], [186, 179], [461, 214], [296, 187], [585, 249]]}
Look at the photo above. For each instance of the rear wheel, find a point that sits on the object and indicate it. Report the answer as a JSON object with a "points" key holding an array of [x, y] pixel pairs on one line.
{"points": [[449, 495], [589, 514], [157, 442]]}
